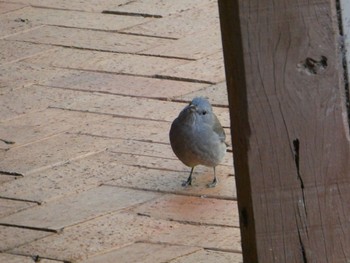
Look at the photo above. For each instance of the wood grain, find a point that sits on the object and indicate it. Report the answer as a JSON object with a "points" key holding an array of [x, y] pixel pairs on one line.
{"points": [[290, 130]]}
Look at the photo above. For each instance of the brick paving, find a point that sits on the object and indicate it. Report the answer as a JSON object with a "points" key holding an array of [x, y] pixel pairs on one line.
{"points": [[88, 90]]}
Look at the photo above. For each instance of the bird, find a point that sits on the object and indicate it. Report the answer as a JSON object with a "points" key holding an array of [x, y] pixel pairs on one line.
{"points": [[197, 137]]}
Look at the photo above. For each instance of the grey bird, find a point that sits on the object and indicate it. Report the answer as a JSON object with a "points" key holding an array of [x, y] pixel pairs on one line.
{"points": [[197, 137]]}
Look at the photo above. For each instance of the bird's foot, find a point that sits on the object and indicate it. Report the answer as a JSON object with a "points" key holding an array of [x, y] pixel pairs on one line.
{"points": [[187, 183], [189, 179], [213, 183]]}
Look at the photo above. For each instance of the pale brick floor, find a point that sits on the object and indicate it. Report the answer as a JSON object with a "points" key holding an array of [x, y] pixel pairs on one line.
{"points": [[86, 101]]}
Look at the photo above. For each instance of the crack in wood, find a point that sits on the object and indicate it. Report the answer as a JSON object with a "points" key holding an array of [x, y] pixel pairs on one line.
{"points": [[302, 247], [296, 146]]}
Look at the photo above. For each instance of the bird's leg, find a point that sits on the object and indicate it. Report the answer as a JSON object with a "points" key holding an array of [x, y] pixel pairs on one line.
{"points": [[215, 181], [189, 179]]}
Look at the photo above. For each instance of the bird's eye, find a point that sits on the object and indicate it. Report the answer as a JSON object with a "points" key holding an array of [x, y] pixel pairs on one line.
{"points": [[204, 112]]}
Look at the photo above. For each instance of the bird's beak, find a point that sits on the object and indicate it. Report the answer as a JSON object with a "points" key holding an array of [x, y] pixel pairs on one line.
{"points": [[193, 108]]}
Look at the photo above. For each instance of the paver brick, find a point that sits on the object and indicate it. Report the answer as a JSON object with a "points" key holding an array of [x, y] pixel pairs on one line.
{"points": [[147, 252], [214, 237], [94, 237], [152, 149], [12, 237], [171, 182], [217, 94], [8, 207], [63, 180], [210, 68], [88, 39], [76, 19], [11, 24], [194, 46], [8, 7], [15, 76], [122, 84], [6, 178], [160, 7], [38, 125], [132, 107], [210, 256], [120, 229], [180, 24], [90, 6], [10, 258], [126, 128], [161, 163], [9, 50], [51, 152], [34, 98], [105, 61], [191, 209], [75, 209]]}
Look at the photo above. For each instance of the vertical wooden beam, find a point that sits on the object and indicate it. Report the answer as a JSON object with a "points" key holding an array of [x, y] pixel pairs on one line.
{"points": [[290, 129]]}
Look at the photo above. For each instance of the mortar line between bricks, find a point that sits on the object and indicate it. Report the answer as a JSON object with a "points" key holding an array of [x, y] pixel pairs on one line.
{"points": [[176, 258], [38, 140], [21, 32], [21, 200], [194, 223], [33, 228], [236, 251], [160, 157], [154, 76], [13, 10], [128, 95], [111, 212], [108, 114], [36, 258], [173, 192], [137, 53], [160, 76], [118, 138], [184, 245], [63, 9], [29, 56], [40, 169], [104, 92], [115, 31], [124, 13], [9, 173]]}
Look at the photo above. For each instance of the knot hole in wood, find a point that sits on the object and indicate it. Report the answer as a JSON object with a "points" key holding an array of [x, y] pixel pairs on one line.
{"points": [[312, 66]]}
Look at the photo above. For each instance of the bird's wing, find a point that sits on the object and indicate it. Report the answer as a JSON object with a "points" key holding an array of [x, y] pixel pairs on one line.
{"points": [[217, 128]]}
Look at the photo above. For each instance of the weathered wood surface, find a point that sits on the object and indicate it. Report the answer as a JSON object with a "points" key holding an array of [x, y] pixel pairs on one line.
{"points": [[290, 129], [88, 91]]}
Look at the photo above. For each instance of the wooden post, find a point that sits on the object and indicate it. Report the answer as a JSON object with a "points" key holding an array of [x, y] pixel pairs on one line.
{"points": [[290, 129], [345, 15]]}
